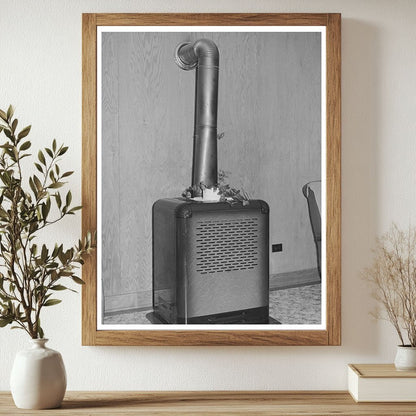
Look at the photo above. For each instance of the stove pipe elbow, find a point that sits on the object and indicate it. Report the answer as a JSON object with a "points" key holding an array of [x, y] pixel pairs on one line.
{"points": [[204, 56]]}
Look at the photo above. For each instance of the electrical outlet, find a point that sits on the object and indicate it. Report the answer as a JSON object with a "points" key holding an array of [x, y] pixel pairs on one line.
{"points": [[277, 247]]}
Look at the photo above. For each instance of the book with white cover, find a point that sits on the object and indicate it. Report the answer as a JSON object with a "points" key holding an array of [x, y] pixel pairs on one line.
{"points": [[381, 383]]}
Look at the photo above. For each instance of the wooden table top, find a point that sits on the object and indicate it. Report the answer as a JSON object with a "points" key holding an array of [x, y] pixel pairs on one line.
{"points": [[212, 403]]}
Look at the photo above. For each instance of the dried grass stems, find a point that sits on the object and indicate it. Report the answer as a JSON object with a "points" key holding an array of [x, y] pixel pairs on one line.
{"points": [[393, 276]]}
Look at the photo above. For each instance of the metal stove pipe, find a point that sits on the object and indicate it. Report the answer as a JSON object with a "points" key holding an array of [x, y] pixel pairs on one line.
{"points": [[203, 55]]}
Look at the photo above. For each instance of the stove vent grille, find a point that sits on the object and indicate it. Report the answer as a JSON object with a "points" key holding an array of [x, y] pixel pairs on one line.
{"points": [[226, 245]]}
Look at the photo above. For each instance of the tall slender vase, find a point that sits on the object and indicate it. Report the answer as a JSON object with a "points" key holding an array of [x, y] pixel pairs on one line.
{"points": [[38, 377]]}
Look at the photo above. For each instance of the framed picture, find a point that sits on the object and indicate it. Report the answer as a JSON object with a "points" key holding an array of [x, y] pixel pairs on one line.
{"points": [[211, 172]]}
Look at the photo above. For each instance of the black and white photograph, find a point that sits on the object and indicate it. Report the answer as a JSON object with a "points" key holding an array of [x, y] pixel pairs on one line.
{"points": [[211, 177]]}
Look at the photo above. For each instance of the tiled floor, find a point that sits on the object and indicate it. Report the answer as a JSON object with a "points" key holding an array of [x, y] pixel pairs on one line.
{"points": [[297, 305]]}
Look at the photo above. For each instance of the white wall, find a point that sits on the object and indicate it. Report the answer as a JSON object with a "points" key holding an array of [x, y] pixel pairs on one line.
{"points": [[40, 72]]}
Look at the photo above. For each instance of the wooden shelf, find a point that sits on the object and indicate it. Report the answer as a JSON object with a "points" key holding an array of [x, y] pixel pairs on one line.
{"points": [[212, 403]]}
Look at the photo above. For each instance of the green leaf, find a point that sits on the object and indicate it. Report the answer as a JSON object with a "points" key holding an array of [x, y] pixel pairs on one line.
{"points": [[59, 287], [40, 330], [56, 185], [41, 333], [37, 183], [38, 213], [25, 145], [14, 125], [63, 151], [8, 133], [5, 179], [62, 257], [58, 199], [49, 151], [5, 321], [33, 187], [67, 174], [51, 302], [33, 227], [76, 279], [4, 215], [3, 115], [54, 145], [24, 133], [44, 253], [45, 211], [55, 251], [4, 298], [68, 198], [41, 157], [39, 167], [10, 112], [77, 208]]}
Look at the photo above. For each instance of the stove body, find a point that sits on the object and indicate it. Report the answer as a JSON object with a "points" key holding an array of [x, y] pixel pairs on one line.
{"points": [[210, 262], [210, 259]]}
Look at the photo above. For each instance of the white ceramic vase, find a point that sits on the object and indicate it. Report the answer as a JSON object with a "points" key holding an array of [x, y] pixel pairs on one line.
{"points": [[405, 358], [38, 378]]}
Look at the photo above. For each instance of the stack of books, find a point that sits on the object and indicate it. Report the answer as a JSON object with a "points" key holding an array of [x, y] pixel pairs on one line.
{"points": [[381, 383]]}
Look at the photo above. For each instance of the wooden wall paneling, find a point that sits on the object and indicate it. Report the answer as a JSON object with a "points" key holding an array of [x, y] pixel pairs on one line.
{"points": [[110, 159], [269, 100]]}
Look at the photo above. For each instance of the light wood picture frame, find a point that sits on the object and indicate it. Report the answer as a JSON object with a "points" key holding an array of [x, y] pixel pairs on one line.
{"points": [[330, 332]]}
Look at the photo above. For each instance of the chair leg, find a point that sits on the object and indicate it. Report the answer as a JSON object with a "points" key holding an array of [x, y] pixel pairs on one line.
{"points": [[318, 255]]}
